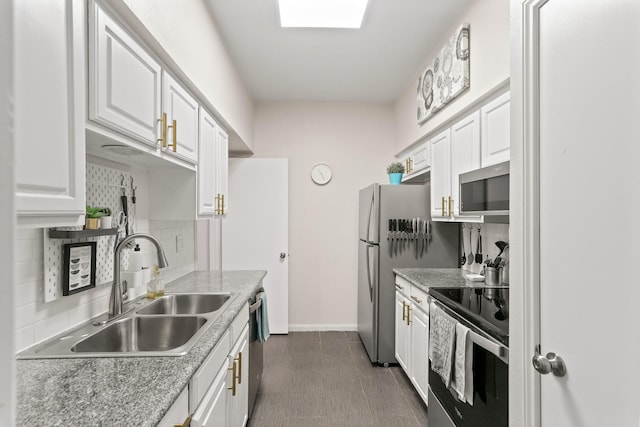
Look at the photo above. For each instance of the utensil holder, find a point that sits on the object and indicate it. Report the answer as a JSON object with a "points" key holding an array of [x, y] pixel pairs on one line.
{"points": [[492, 276]]}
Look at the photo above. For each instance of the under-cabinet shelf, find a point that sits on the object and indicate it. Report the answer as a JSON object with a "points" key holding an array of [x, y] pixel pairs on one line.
{"points": [[78, 234]]}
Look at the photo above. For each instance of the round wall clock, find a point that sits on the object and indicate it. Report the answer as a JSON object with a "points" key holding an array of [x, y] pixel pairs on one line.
{"points": [[321, 173]]}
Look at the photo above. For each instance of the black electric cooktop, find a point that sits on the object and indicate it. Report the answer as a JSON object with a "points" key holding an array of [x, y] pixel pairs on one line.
{"points": [[487, 307]]}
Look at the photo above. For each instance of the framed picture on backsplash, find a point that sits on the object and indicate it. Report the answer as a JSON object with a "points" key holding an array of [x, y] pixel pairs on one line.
{"points": [[79, 267]]}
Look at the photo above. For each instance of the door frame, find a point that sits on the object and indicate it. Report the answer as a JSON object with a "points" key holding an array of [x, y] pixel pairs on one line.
{"points": [[7, 218], [524, 236]]}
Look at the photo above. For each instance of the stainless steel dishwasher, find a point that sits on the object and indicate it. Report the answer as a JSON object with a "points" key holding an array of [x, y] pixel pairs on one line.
{"points": [[255, 350]]}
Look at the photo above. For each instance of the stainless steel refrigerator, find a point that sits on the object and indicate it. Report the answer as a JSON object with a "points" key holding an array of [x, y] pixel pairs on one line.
{"points": [[380, 250]]}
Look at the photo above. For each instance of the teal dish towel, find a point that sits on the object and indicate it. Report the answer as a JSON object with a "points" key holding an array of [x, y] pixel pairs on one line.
{"points": [[262, 318]]}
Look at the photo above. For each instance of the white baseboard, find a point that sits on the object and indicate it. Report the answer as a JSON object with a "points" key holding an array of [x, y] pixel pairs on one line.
{"points": [[308, 328]]}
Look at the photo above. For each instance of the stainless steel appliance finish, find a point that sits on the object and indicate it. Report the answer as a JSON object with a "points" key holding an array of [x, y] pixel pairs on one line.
{"points": [[485, 191], [378, 204], [256, 356], [485, 311], [134, 333]]}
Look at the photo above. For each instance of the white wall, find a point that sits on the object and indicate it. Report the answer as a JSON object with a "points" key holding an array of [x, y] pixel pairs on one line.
{"points": [[187, 32], [489, 20], [355, 140]]}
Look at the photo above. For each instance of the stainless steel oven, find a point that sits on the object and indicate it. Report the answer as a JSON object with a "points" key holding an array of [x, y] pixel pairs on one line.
{"points": [[256, 356], [485, 312]]}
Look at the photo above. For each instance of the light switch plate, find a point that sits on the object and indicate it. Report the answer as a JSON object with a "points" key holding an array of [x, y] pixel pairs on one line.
{"points": [[179, 242]]}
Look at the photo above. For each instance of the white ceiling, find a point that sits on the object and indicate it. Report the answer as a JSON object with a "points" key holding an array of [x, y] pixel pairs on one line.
{"points": [[374, 63]]}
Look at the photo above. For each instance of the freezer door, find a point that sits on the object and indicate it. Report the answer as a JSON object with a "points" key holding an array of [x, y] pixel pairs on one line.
{"points": [[368, 297], [368, 213]]}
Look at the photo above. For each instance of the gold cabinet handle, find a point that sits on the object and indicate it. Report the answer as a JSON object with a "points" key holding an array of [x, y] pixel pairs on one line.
{"points": [[217, 204], [416, 299], [408, 315], [406, 165], [444, 211], [399, 287], [174, 128], [450, 204], [233, 379], [222, 204], [404, 309], [186, 423], [239, 359], [163, 130]]}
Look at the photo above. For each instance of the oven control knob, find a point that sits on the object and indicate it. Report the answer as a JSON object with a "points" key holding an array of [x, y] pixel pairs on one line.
{"points": [[551, 363]]}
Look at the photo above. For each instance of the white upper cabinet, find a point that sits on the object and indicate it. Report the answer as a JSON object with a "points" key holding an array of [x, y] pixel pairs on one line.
{"points": [[222, 171], [182, 119], [418, 161], [124, 80], [206, 165], [496, 122], [465, 154], [50, 111], [440, 174], [212, 167]]}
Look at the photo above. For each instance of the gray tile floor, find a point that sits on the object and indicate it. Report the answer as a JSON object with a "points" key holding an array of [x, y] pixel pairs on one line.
{"points": [[325, 379]]}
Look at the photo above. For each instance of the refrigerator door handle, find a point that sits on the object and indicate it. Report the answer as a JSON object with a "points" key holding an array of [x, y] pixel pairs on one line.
{"points": [[369, 273], [369, 217]]}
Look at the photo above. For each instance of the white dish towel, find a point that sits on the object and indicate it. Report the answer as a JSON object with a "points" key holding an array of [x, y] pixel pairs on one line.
{"points": [[462, 382], [442, 331]]}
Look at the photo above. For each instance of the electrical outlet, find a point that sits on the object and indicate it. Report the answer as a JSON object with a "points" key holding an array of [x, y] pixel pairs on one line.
{"points": [[179, 242]]}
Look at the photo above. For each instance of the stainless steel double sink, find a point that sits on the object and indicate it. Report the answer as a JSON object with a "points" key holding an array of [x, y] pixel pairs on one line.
{"points": [[167, 326]]}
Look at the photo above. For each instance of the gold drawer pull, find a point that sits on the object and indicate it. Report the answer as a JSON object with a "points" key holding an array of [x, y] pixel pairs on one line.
{"points": [[233, 379], [186, 423], [416, 299]]}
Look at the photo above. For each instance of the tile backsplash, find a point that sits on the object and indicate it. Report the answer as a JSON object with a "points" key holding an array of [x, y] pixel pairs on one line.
{"points": [[37, 320]]}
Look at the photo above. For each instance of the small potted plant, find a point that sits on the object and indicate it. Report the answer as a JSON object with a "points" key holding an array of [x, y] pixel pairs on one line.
{"points": [[395, 171], [92, 218], [105, 221]]}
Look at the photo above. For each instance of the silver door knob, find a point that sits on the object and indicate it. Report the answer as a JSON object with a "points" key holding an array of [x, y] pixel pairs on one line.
{"points": [[551, 363], [283, 255]]}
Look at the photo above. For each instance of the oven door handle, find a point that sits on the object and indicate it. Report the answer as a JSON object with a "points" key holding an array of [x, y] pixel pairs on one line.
{"points": [[497, 349], [494, 347]]}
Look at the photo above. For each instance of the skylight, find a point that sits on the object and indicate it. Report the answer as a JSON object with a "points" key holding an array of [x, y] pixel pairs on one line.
{"points": [[322, 13]]}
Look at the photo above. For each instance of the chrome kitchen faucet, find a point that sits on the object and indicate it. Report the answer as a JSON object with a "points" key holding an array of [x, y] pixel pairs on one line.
{"points": [[115, 300]]}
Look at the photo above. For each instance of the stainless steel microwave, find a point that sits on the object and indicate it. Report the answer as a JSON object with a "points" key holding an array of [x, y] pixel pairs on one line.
{"points": [[485, 191]]}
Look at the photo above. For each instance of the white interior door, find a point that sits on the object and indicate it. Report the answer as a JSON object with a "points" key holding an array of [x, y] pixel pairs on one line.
{"points": [[579, 123], [256, 233]]}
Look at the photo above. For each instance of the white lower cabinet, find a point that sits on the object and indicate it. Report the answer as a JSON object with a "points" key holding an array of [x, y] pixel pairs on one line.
{"points": [[412, 334], [219, 391], [402, 331], [419, 353]]}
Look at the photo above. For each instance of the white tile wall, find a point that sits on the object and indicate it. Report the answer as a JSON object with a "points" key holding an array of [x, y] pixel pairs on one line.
{"points": [[36, 320]]}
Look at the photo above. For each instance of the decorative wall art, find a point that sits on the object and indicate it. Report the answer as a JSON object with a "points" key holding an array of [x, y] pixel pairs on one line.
{"points": [[447, 76], [79, 267]]}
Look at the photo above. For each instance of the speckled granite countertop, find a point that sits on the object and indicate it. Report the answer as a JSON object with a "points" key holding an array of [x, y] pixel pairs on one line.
{"points": [[134, 391], [425, 278]]}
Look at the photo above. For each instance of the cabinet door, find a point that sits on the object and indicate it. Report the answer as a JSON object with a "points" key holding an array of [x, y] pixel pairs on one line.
{"points": [[402, 332], [183, 108], [496, 122], [207, 171], [213, 410], [178, 412], [440, 174], [239, 404], [420, 352], [465, 153], [222, 170], [124, 81], [420, 158], [49, 112]]}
